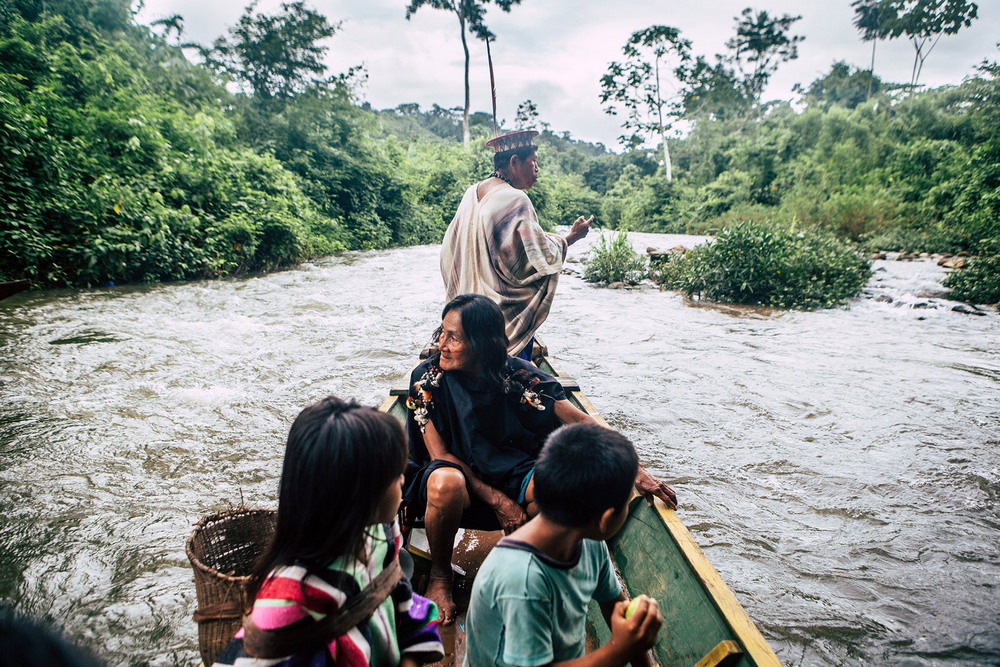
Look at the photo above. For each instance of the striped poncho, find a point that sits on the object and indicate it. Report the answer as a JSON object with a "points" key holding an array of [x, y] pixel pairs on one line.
{"points": [[495, 247], [405, 623]]}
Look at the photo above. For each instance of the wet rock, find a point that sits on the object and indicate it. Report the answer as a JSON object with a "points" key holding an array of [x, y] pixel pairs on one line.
{"points": [[657, 254], [967, 310], [922, 304], [883, 298], [955, 262], [617, 285], [879, 255], [932, 294]]}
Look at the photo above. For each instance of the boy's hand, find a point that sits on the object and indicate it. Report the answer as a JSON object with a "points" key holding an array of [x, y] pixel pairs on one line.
{"points": [[637, 634]]}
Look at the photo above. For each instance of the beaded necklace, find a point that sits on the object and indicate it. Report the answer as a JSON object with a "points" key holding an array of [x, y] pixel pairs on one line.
{"points": [[502, 178]]}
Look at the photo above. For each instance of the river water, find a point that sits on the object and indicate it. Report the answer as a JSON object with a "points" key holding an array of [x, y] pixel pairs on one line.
{"points": [[841, 468]]}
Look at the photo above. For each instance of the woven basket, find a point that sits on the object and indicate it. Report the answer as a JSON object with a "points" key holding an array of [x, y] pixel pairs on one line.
{"points": [[223, 549]]}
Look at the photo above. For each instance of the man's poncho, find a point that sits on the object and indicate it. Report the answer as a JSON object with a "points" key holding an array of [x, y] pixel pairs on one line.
{"points": [[495, 247]]}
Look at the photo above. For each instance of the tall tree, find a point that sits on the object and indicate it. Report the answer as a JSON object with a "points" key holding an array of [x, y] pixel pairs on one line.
{"points": [[471, 16], [870, 19], [712, 91], [924, 22], [844, 86], [761, 44], [638, 85], [275, 56]]}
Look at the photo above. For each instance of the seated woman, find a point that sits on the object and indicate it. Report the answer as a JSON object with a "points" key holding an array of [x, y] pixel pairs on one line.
{"points": [[477, 420]]}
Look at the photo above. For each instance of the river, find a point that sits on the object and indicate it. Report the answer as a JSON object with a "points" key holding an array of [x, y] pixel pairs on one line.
{"points": [[840, 468]]}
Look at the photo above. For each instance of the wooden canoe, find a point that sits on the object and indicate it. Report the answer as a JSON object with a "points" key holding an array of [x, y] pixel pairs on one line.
{"points": [[12, 287], [703, 623]]}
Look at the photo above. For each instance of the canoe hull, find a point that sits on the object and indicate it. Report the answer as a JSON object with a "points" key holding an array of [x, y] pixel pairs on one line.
{"points": [[655, 554], [12, 287]]}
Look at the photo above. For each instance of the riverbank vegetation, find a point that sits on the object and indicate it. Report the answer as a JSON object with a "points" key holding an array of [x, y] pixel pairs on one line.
{"points": [[755, 264], [614, 260], [131, 158]]}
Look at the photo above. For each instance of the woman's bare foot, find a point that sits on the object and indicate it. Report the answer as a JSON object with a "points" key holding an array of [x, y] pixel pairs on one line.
{"points": [[439, 591]]}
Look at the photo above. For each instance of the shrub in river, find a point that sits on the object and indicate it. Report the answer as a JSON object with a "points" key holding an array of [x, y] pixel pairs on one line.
{"points": [[754, 264], [614, 261], [977, 283]]}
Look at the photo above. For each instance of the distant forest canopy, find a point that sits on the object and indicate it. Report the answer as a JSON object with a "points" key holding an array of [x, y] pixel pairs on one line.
{"points": [[125, 161]]}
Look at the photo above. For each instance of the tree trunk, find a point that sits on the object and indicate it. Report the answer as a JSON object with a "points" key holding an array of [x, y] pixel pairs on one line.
{"points": [[465, 112], [667, 166], [871, 71]]}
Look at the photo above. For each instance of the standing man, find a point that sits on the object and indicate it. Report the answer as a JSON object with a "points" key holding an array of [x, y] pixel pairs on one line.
{"points": [[495, 247]]}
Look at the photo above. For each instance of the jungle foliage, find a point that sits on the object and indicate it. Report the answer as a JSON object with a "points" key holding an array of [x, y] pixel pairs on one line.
{"points": [[614, 260], [756, 264], [128, 157]]}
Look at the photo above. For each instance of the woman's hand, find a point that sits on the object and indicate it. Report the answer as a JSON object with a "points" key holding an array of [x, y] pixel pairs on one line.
{"points": [[648, 486], [509, 514]]}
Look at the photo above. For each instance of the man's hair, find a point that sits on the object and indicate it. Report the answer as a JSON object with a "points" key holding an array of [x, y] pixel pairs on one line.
{"points": [[583, 470], [501, 160]]}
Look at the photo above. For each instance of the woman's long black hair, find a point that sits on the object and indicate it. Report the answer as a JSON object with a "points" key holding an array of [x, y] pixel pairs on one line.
{"points": [[339, 460], [484, 328]]}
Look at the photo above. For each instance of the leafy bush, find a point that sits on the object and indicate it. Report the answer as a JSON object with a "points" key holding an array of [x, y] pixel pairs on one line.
{"points": [[977, 283], [614, 261], [753, 264]]}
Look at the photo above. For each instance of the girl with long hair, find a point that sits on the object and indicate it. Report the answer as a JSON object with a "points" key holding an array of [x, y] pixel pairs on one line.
{"points": [[329, 590]]}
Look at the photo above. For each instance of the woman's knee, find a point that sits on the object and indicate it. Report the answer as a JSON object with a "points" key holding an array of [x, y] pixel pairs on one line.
{"points": [[446, 485]]}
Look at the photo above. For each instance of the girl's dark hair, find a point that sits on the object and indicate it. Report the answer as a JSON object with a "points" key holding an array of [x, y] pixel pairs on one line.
{"points": [[501, 160], [339, 460], [485, 332], [583, 470]]}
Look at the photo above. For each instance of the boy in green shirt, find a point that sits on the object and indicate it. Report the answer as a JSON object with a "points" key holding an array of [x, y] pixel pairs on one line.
{"points": [[529, 601]]}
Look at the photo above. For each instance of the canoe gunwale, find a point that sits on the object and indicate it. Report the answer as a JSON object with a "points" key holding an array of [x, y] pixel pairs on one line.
{"points": [[724, 600], [728, 607]]}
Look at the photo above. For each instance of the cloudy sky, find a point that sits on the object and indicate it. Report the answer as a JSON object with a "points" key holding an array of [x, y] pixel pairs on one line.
{"points": [[555, 51]]}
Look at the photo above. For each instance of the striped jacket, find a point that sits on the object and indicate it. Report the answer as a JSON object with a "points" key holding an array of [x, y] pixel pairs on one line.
{"points": [[405, 623]]}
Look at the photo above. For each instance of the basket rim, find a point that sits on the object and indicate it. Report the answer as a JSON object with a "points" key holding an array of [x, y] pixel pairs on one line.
{"points": [[216, 516]]}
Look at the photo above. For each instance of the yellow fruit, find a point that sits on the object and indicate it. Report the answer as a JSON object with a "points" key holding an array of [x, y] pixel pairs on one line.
{"points": [[632, 606]]}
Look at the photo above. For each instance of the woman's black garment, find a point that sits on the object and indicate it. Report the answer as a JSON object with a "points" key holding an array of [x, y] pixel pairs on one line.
{"points": [[489, 428]]}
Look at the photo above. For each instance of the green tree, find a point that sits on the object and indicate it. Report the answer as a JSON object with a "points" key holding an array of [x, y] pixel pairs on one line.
{"points": [[527, 116], [713, 92], [924, 22], [275, 56], [761, 44], [870, 20], [843, 85], [83, 18], [170, 24], [637, 84], [471, 16]]}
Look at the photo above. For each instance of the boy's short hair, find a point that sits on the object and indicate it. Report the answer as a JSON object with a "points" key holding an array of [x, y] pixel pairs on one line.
{"points": [[583, 470]]}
